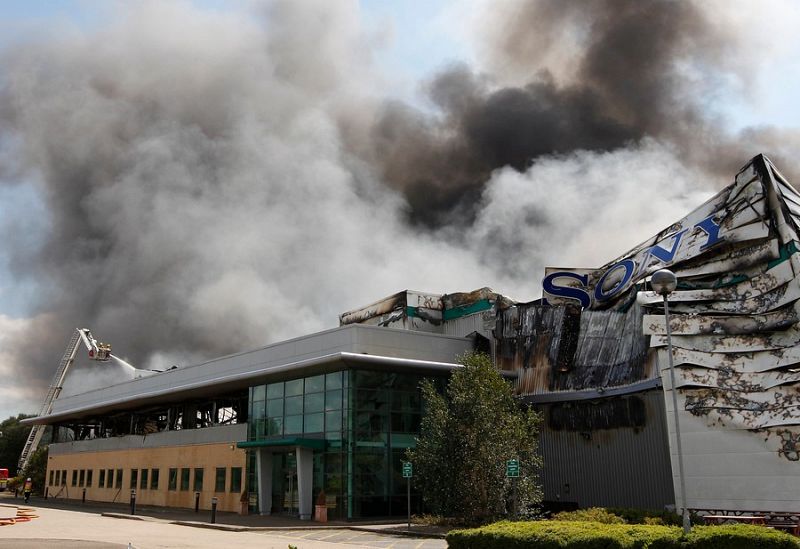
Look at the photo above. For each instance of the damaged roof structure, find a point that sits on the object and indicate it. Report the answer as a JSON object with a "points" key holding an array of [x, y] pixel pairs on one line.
{"points": [[599, 336]]}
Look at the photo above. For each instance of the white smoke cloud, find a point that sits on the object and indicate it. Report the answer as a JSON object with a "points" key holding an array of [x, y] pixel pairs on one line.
{"points": [[202, 197], [581, 210]]}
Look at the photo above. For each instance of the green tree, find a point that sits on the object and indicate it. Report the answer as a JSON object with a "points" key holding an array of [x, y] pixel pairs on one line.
{"points": [[467, 435], [12, 441], [37, 469]]}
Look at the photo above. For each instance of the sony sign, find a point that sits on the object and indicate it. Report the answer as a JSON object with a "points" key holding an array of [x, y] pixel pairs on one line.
{"points": [[596, 287], [737, 214]]}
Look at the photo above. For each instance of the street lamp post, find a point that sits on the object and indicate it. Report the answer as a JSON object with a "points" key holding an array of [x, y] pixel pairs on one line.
{"points": [[664, 283]]}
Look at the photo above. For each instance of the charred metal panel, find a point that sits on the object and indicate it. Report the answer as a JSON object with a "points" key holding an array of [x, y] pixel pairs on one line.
{"points": [[387, 311], [719, 324], [564, 349], [626, 465], [594, 415]]}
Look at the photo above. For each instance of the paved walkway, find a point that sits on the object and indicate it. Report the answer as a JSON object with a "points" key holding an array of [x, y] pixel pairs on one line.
{"points": [[63, 524]]}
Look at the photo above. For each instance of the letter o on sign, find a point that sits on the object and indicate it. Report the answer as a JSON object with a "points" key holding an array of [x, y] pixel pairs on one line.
{"points": [[602, 295]]}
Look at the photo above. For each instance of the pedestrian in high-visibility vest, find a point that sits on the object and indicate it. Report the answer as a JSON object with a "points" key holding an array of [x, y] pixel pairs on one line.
{"points": [[26, 489]]}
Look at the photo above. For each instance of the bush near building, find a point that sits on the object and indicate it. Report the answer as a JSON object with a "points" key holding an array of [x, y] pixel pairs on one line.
{"points": [[467, 435], [620, 515], [551, 534]]}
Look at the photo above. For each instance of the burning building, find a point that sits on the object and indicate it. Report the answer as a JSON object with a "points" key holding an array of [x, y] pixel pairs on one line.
{"points": [[334, 411]]}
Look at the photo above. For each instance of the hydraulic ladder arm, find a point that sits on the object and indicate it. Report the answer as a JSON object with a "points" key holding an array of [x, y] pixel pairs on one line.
{"points": [[97, 351]]}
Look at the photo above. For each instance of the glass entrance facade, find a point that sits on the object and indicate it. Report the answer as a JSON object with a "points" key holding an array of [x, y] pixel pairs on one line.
{"points": [[367, 419]]}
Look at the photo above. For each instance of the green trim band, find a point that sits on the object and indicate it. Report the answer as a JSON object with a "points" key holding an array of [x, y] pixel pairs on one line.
{"points": [[464, 310], [312, 443], [786, 250]]}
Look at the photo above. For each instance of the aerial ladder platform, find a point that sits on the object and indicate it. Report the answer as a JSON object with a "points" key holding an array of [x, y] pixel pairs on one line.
{"points": [[97, 351]]}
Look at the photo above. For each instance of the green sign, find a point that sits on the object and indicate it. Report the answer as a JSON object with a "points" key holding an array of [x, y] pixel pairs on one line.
{"points": [[408, 470], [512, 468]]}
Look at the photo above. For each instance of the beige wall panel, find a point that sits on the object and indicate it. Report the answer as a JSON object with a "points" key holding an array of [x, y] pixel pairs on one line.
{"points": [[205, 456]]}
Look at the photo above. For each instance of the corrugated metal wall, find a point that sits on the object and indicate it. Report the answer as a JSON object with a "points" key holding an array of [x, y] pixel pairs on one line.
{"points": [[619, 467]]}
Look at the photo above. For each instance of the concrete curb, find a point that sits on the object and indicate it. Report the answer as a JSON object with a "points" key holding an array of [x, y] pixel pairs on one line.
{"points": [[407, 533], [237, 528]]}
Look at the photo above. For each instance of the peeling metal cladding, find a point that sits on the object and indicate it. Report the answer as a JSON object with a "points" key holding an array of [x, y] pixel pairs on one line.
{"points": [[736, 339], [739, 258], [699, 324], [560, 348], [760, 284], [610, 352], [737, 381], [464, 299], [392, 303], [625, 454], [750, 361]]}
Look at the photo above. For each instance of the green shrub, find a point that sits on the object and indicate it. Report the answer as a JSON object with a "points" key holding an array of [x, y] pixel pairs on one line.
{"points": [[647, 516], [739, 536], [564, 534], [553, 534], [593, 514], [651, 516]]}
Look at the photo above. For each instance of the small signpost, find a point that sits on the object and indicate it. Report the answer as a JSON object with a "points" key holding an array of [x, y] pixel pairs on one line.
{"points": [[408, 472], [512, 468], [512, 472]]}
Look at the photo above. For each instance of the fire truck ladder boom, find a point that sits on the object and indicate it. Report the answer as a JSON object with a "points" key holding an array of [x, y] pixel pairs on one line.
{"points": [[96, 352]]}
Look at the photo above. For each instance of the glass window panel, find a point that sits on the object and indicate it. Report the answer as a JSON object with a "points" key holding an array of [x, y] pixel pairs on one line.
{"points": [[314, 403], [294, 387], [333, 400], [367, 399], [275, 408], [294, 405], [333, 463], [333, 380], [101, 479], [293, 425], [110, 482], [275, 426], [405, 400], [82, 477], [369, 379], [173, 479], [134, 478], [314, 423], [333, 421], [89, 477], [154, 479], [236, 479], [258, 392], [185, 479], [275, 390], [219, 479], [145, 478], [405, 422], [315, 384], [198, 480], [258, 409], [119, 479]]}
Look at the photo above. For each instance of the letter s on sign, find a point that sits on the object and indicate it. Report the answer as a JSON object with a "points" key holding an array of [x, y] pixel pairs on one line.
{"points": [[571, 292]]}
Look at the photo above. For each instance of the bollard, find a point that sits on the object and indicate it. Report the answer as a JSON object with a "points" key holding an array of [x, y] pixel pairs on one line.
{"points": [[133, 502], [83, 496], [197, 502], [46, 491], [213, 510]]}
